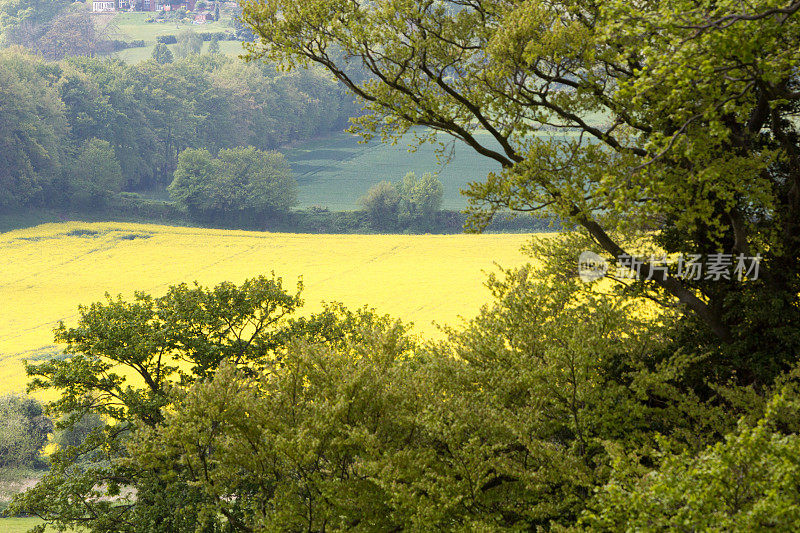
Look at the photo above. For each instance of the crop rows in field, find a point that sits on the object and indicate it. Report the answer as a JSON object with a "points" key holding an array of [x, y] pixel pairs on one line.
{"points": [[335, 171], [50, 269]]}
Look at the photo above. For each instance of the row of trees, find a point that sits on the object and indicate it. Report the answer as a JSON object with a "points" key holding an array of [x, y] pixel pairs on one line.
{"points": [[56, 118]]}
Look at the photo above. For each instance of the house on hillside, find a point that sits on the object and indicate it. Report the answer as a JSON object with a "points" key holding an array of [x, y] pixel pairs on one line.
{"points": [[106, 6], [174, 5]]}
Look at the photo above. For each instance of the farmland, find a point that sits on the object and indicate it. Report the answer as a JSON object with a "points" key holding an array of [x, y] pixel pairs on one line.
{"points": [[132, 26], [19, 525], [50, 269], [335, 170]]}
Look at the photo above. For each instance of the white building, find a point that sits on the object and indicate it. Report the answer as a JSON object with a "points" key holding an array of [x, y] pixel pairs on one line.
{"points": [[103, 6]]}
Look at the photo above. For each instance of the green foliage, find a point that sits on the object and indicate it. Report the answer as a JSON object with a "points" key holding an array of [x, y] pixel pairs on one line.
{"points": [[291, 447], [381, 202], [124, 357], [213, 45], [78, 429], [69, 35], [420, 198], [503, 426], [32, 129], [189, 43], [95, 175], [22, 20], [219, 403], [162, 54], [24, 431], [709, 159], [166, 39], [149, 113], [747, 482], [238, 181], [414, 204]]}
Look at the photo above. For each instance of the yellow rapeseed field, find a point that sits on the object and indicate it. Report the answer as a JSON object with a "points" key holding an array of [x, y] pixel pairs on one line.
{"points": [[50, 269]]}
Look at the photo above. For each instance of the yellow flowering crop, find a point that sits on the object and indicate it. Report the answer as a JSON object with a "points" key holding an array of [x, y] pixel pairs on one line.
{"points": [[50, 269]]}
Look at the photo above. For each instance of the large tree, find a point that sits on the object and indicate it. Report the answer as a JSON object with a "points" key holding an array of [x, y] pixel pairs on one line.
{"points": [[677, 116], [121, 361], [71, 35], [23, 21], [95, 175]]}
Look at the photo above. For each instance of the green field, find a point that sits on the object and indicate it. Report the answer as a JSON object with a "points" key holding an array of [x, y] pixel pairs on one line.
{"points": [[335, 171], [132, 26], [136, 55], [18, 525]]}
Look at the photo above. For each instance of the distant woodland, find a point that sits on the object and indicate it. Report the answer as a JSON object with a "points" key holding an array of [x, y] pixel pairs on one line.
{"points": [[80, 130]]}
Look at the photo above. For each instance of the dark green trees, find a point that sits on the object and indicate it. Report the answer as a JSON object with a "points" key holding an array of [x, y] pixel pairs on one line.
{"points": [[213, 45], [162, 54], [412, 204], [24, 430], [189, 42], [23, 21], [420, 199], [239, 182], [32, 130], [381, 202], [94, 176], [148, 113]]}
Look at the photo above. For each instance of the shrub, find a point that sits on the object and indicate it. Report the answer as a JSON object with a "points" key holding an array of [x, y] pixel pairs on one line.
{"points": [[189, 43], [162, 54], [420, 199], [381, 203], [747, 482]]}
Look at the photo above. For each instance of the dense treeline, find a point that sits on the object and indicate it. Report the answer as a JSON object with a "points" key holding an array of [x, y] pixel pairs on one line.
{"points": [[544, 411], [56, 119]]}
